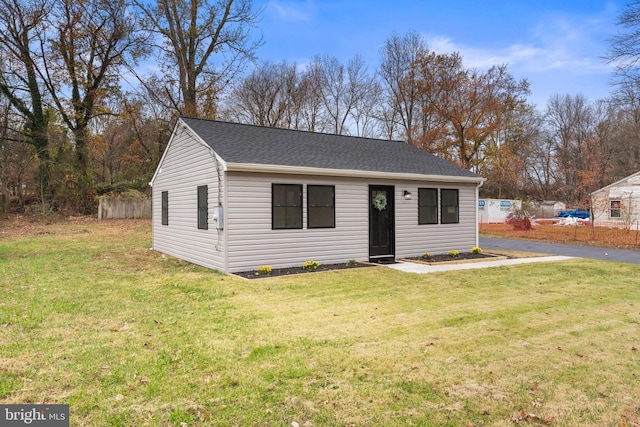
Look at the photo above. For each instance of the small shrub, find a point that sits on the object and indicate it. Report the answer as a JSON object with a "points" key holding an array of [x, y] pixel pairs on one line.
{"points": [[426, 255], [311, 265], [453, 253], [352, 262], [476, 250], [264, 269]]}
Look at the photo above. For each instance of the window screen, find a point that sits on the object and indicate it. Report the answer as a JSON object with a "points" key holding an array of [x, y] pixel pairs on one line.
{"points": [[286, 202], [321, 206], [449, 207], [427, 205]]}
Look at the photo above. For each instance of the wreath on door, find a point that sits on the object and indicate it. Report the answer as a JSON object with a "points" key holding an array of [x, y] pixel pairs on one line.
{"points": [[380, 201]]}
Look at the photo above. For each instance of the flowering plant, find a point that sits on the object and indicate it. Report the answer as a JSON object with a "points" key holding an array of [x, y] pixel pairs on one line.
{"points": [[476, 250], [264, 269], [454, 254], [311, 265]]}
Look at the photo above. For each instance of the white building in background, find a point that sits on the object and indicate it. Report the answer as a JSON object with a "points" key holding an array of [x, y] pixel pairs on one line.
{"points": [[495, 210], [618, 204]]}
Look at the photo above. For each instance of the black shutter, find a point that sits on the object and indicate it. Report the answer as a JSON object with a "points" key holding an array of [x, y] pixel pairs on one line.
{"points": [[203, 207], [165, 208]]}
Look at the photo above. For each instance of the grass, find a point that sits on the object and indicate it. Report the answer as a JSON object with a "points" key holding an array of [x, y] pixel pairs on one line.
{"points": [[91, 317]]}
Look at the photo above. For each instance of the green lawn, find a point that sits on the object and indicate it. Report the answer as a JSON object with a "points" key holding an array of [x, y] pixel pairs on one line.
{"points": [[91, 317]]}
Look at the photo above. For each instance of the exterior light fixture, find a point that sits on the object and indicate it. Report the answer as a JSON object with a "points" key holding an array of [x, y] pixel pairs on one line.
{"points": [[407, 195]]}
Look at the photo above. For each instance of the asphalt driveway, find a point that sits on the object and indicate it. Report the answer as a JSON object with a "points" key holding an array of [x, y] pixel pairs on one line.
{"points": [[620, 255]]}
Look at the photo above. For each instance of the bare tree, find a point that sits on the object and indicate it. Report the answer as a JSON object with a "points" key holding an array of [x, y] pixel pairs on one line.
{"points": [[624, 47], [506, 153], [16, 157], [368, 109], [204, 45], [342, 89], [264, 97], [309, 100], [21, 25], [94, 41], [398, 55], [582, 135], [625, 103]]}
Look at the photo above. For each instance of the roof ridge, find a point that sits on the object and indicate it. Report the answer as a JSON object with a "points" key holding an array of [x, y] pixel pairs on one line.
{"points": [[243, 143], [294, 130]]}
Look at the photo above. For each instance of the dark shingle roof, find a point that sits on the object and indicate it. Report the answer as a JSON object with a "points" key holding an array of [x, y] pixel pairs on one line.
{"points": [[240, 143]]}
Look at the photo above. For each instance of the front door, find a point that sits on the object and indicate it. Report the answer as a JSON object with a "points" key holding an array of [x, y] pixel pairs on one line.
{"points": [[381, 223]]}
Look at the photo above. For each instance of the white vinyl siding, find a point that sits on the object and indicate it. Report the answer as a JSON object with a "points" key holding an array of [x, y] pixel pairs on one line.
{"points": [[187, 165], [248, 240], [413, 239], [618, 204], [254, 243]]}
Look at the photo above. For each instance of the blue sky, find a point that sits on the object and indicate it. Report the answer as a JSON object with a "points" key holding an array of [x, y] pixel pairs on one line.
{"points": [[556, 45]]}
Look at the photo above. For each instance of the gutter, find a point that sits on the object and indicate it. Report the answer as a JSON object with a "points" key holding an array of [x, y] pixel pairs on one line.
{"points": [[480, 184], [351, 173]]}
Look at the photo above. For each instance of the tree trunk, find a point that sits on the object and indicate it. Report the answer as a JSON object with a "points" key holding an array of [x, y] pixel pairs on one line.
{"points": [[84, 173]]}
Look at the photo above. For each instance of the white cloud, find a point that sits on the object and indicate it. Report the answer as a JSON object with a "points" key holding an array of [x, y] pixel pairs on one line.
{"points": [[552, 45], [291, 13]]}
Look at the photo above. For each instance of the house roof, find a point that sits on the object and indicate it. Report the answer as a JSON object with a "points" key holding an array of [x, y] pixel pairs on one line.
{"points": [[239, 144], [633, 179]]}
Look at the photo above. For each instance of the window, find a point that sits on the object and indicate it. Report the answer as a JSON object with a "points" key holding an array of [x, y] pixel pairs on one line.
{"points": [[427, 205], [321, 206], [203, 207], [616, 209], [286, 206], [449, 206], [165, 208]]}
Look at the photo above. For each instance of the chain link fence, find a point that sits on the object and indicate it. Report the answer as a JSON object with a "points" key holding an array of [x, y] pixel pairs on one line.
{"points": [[623, 236]]}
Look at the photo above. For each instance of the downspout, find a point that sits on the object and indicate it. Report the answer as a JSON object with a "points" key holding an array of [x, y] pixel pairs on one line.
{"points": [[480, 184], [218, 174]]}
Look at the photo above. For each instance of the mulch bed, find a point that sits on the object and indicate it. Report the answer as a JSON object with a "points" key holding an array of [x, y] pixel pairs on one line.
{"points": [[299, 270], [446, 258], [329, 267]]}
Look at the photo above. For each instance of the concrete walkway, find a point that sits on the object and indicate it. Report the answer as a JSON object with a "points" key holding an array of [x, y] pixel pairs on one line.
{"points": [[414, 267], [558, 252]]}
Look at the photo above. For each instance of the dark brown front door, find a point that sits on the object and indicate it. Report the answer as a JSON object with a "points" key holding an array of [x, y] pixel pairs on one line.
{"points": [[381, 223]]}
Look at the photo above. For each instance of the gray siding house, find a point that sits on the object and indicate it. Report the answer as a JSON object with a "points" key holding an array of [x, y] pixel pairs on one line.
{"points": [[233, 197]]}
